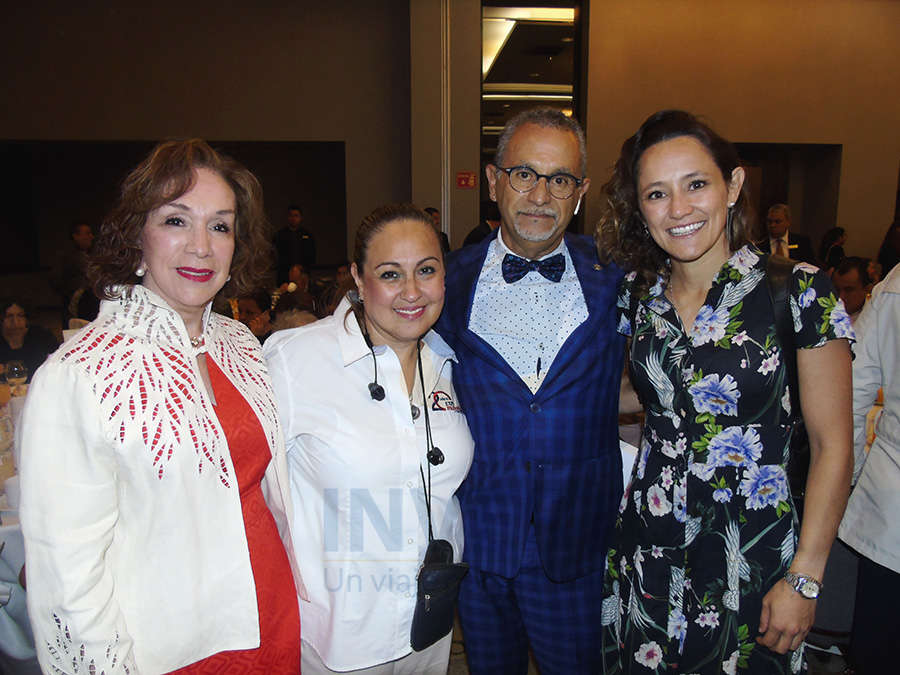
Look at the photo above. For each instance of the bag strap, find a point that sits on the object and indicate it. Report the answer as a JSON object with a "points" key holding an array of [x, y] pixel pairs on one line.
{"points": [[778, 276], [429, 445]]}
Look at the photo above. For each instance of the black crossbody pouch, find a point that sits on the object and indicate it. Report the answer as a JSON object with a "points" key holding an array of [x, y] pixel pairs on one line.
{"points": [[437, 592], [437, 584]]}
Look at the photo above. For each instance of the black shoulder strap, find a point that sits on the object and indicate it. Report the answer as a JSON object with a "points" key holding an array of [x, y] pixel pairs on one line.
{"points": [[778, 276]]}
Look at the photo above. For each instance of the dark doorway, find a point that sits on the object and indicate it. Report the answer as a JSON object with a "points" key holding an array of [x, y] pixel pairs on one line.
{"points": [[532, 55], [805, 176]]}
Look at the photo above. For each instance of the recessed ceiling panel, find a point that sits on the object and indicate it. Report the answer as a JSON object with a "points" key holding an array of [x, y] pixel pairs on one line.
{"points": [[536, 53]]}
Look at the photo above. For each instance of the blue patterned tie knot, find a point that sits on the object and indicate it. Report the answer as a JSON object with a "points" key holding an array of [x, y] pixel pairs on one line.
{"points": [[514, 267]]}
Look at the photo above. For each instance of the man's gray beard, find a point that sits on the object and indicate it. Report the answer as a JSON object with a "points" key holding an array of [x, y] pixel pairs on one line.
{"points": [[536, 236]]}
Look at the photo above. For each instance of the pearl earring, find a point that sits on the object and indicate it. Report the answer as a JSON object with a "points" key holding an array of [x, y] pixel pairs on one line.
{"points": [[141, 270]]}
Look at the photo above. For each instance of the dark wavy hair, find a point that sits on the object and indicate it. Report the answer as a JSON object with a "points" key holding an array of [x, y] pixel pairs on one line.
{"points": [[621, 234], [829, 239], [7, 302], [370, 226], [167, 173], [855, 262]]}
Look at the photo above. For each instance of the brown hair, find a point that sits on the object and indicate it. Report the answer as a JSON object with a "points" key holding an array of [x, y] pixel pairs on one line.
{"points": [[371, 225], [621, 235], [167, 173], [6, 303]]}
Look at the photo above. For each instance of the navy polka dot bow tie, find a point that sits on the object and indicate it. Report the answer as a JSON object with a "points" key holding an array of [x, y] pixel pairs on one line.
{"points": [[514, 267]]}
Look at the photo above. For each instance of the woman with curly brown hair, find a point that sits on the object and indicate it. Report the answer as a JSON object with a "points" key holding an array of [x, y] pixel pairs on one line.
{"points": [[706, 573], [155, 502]]}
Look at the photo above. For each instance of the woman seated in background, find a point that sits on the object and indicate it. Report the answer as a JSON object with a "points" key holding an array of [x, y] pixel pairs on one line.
{"points": [[369, 411], [21, 340], [831, 251], [253, 312], [705, 572], [297, 288], [289, 312], [151, 440]]}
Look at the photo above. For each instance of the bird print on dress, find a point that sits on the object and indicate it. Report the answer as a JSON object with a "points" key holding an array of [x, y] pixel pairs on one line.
{"points": [[707, 525]]}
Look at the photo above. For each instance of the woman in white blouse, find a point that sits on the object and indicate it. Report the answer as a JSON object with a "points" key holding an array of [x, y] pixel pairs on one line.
{"points": [[155, 503], [354, 409]]}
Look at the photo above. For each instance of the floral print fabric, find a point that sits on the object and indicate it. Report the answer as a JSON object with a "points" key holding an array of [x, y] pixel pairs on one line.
{"points": [[706, 526]]}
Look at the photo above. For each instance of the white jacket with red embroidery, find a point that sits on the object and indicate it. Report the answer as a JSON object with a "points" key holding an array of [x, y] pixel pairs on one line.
{"points": [[136, 555]]}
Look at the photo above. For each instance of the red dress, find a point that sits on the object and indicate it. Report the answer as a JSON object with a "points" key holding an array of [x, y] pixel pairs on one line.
{"points": [[276, 597]]}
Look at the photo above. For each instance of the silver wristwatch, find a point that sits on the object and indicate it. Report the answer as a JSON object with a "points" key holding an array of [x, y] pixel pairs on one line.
{"points": [[805, 586]]}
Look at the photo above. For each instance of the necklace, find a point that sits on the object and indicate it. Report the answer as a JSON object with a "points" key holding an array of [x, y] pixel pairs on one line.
{"points": [[197, 342], [413, 408]]}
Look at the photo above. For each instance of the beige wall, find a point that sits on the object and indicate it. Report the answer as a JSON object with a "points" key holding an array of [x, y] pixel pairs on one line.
{"points": [[427, 88], [446, 132], [263, 70], [800, 71]]}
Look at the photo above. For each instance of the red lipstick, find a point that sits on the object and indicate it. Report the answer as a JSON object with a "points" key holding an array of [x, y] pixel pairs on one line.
{"points": [[194, 274]]}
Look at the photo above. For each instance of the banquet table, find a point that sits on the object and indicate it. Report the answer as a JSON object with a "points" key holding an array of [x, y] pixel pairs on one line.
{"points": [[17, 655]]}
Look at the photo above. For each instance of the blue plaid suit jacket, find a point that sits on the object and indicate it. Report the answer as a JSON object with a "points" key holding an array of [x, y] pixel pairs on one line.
{"points": [[553, 454]]}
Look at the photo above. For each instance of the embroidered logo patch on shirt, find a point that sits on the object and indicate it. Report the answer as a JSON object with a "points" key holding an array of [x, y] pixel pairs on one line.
{"points": [[441, 400]]}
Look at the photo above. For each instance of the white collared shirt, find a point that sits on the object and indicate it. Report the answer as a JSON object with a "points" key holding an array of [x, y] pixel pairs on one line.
{"points": [[870, 521], [355, 482], [528, 321]]}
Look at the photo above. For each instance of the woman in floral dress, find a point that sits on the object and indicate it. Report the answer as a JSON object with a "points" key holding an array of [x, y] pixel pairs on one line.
{"points": [[707, 528]]}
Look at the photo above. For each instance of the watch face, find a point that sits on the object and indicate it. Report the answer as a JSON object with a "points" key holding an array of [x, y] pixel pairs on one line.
{"points": [[809, 589]]}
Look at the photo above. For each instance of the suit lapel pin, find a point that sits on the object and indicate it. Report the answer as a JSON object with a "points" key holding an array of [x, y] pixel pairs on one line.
{"points": [[598, 267]]}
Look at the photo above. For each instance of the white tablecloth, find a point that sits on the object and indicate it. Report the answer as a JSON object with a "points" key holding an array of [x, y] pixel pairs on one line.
{"points": [[16, 639]]}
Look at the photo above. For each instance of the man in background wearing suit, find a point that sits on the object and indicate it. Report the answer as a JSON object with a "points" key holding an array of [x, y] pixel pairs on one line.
{"points": [[784, 242], [294, 245], [530, 314]]}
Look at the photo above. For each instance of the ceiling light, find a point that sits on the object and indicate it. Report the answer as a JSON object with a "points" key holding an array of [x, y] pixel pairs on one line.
{"points": [[561, 15]]}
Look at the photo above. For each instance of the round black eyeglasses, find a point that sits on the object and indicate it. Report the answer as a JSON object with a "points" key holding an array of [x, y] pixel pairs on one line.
{"points": [[525, 179]]}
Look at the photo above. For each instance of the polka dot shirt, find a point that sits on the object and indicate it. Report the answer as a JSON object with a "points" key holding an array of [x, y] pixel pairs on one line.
{"points": [[528, 321]]}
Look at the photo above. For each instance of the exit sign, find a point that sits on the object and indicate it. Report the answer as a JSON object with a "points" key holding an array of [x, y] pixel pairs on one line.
{"points": [[466, 180]]}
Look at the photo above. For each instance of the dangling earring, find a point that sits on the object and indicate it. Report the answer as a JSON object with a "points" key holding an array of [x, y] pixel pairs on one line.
{"points": [[141, 270], [729, 224], [228, 278]]}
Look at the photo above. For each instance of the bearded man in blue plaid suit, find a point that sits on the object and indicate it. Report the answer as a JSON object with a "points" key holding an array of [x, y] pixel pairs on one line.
{"points": [[531, 316]]}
